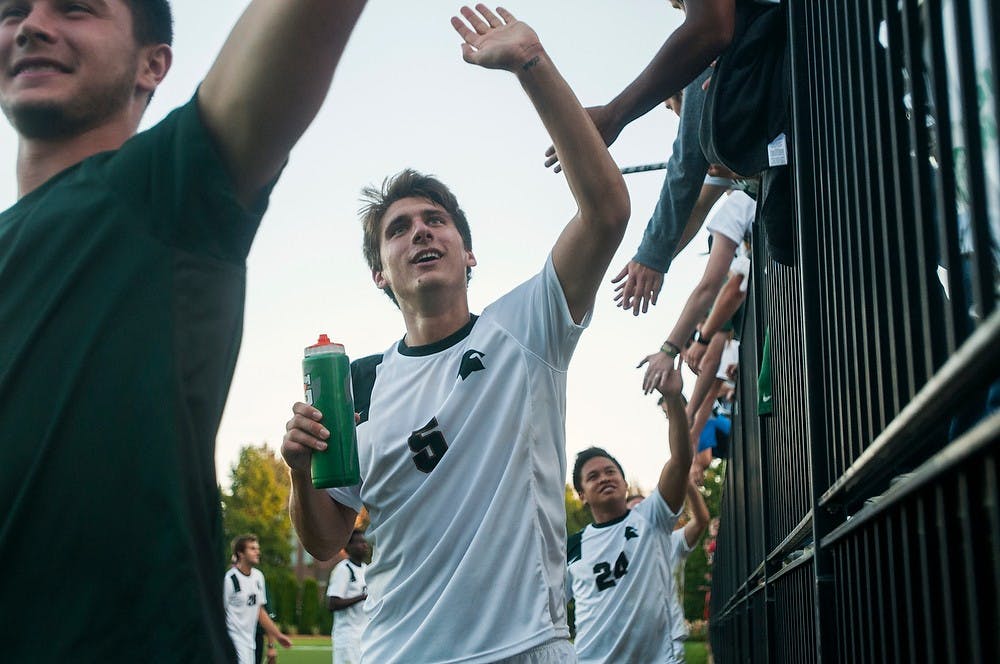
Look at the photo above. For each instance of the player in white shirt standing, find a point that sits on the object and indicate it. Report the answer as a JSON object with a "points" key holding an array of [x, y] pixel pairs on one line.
{"points": [[619, 568], [344, 594], [682, 543], [462, 433], [244, 597]]}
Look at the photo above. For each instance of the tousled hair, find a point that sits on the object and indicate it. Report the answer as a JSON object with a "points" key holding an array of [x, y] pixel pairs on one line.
{"points": [[152, 21], [240, 544], [585, 456], [408, 183]]}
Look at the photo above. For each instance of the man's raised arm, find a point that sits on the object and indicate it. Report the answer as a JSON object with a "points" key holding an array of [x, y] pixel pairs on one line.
{"points": [[270, 80], [674, 476], [587, 244]]}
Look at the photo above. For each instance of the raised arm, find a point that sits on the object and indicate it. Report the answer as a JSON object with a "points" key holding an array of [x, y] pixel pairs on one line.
{"points": [[705, 33], [674, 476], [270, 80], [701, 298], [584, 249], [699, 515]]}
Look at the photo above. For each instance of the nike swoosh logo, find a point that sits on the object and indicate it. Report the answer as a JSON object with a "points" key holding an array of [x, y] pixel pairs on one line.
{"points": [[767, 398]]}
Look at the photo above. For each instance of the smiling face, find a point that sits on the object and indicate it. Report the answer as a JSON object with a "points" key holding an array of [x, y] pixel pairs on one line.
{"points": [[602, 485], [421, 251], [67, 66]]}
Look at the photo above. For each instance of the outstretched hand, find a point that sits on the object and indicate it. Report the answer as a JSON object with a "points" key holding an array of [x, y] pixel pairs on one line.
{"points": [[496, 42], [638, 287], [662, 374]]}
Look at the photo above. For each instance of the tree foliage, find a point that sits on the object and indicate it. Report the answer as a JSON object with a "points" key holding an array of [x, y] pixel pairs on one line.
{"points": [[697, 570], [577, 514], [257, 503]]}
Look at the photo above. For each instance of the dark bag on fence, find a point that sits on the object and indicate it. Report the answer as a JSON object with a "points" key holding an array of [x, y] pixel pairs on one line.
{"points": [[747, 103]]}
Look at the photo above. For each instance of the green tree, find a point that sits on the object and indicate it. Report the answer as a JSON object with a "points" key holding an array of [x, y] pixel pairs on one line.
{"points": [[309, 614], [697, 569], [257, 503], [577, 514]]}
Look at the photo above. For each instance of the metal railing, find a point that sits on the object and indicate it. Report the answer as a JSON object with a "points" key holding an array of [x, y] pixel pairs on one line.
{"points": [[861, 521]]}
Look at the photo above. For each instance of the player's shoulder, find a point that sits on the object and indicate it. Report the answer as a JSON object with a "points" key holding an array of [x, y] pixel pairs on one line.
{"points": [[574, 547], [363, 372]]}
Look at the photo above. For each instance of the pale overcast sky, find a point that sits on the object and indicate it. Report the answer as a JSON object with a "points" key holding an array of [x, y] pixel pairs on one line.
{"points": [[403, 97]]}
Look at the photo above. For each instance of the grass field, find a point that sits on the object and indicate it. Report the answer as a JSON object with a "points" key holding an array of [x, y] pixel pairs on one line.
{"points": [[316, 650]]}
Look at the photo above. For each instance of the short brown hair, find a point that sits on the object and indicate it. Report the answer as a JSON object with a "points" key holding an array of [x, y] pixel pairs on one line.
{"points": [[408, 183], [240, 545]]}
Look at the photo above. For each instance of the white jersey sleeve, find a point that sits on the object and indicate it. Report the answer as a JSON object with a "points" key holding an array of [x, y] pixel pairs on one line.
{"points": [[679, 549], [339, 581], [537, 315], [734, 218], [655, 509]]}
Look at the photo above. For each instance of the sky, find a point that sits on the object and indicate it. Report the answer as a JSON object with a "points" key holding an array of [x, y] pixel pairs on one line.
{"points": [[403, 97]]}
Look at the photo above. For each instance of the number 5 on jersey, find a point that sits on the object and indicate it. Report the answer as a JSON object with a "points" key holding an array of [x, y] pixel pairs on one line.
{"points": [[428, 446]]}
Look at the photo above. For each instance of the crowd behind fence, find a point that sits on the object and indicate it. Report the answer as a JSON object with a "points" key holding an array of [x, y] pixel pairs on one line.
{"points": [[861, 520]]}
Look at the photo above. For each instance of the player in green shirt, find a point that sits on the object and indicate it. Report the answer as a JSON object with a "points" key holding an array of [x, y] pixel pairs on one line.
{"points": [[122, 267]]}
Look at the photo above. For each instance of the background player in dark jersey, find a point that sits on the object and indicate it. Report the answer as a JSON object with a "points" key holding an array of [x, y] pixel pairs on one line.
{"points": [[462, 434], [123, 272], [620, 569]]}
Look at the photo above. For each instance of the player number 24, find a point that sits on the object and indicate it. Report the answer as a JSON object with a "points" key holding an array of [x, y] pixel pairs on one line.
{"points": [[604, 572]]}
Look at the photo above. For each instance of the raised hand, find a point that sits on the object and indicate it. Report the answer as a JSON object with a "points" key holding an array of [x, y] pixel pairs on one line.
{"points": [[638, 287], [496, 42], [662, 374]]}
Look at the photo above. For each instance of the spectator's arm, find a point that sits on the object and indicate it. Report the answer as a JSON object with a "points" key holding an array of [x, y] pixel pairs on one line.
{"points": [[710, 194], [705, 33], [726, 305], [699, 516], [704, 293], [273, 72]]}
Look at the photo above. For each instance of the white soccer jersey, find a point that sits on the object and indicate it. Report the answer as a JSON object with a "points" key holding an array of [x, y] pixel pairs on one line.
{"points": [[620, 574], [462, 450], [243, 596], [348, 580]]}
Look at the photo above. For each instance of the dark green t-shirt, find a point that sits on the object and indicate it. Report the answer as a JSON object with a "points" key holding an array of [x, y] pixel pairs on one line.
{"points": [[121, 309]]}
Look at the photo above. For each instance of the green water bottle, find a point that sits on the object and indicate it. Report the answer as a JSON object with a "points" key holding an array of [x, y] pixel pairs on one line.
{"points": [[326, 374]]}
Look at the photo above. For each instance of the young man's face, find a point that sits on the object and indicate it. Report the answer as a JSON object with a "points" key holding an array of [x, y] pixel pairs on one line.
{"points": [[66, 67], [421, 250], [357, 548], [251, 553], [602, 484]]}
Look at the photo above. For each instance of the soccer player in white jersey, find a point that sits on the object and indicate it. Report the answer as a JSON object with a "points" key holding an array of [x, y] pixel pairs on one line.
{"points": [[462, 422], [244, 597], [344, 594], [619, 568], [682, 543]]}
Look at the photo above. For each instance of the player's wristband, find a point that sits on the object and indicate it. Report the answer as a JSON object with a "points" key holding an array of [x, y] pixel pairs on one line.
{"points": [[670, 349], [703, 340]]}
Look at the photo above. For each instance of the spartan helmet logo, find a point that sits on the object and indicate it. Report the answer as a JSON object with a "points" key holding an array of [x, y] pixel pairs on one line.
{"points": [[472, 361], [630, 532]]}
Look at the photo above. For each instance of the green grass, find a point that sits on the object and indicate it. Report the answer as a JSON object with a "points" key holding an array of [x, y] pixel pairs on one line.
{"points": [[316, 650], [306, 650], [695, 652]]}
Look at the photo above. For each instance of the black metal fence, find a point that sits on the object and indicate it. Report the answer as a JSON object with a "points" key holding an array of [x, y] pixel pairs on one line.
{"points": [[861, 521]]}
